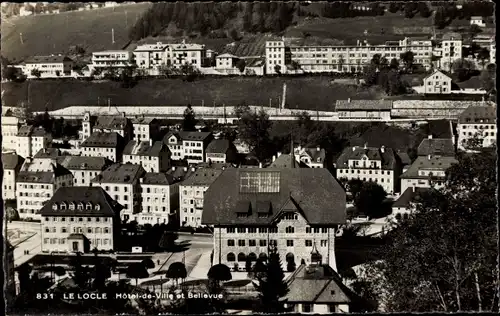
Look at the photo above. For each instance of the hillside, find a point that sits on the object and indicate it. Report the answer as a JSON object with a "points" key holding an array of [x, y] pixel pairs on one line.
{"points": [[307, 92], [55, 33]]}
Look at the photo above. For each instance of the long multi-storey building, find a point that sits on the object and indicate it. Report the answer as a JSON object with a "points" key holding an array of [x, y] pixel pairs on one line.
{"points": [[188, 145], [480, 122], [12, 164], [449, 50], [191, 195], [102, 144], [296, 209], [10, 129], [160, 198], [353, 58], [379, 165], [152, 56], [48, 66], [121, 182], [37, 182], [112, 59], [80, 220]]}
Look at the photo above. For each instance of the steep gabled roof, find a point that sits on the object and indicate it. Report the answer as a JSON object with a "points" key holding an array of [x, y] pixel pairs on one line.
{"points": [[438, 163], [436, 146], [120, 173], [219, 146], [144, 148], [409, 196], [103, 139], [387, 157]]}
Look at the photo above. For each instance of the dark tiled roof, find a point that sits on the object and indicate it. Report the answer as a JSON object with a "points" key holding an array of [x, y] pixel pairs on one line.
{"points": [[144, 149], [314, 153], [408, 196], [11, 161], [92, 196], [102, 139], [120, 173], [85, 163], [111, 122], [312, 192], [143, 120], [203, 176], [45, 174], [404, 158], [362, 105], [435, 163], [48, 153], [219, 146], [452, 36], [318, 284], [439, 129], [284, 161], [158, 178], [25, 130], [180, 173], [171, 133], [436, 146], [215, 165], [47, 59], [39, 132], [478, 114], [472, 83], [387, 157], [194, 136]]}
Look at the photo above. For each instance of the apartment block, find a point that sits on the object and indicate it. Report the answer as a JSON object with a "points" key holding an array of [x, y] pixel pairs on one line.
{"points": [[49, 66], [152, 156], [160, 198], [426, 172], [480, 122], [112, 59], [11, 164], [31, 139], [190, 146], [145, 128], [107, 145], [80, 220], [84, 169]]}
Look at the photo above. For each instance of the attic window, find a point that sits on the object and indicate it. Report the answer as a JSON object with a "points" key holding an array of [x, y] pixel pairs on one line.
{"points": [[242, 215], [80, 206], [54, 206], [71, 206], [332, 292], [97, 207], [63, 206], [263, 215], [88, 206]]}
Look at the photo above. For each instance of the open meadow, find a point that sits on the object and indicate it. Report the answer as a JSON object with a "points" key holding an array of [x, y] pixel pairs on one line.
{"points": [[315, 93]]}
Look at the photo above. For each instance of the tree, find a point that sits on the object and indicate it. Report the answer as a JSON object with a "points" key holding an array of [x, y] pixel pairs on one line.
{"points": [[370, 198], [394, 7], [81, 275], [271, 285], [36, 73], [241, 64], [137, 271], [234, 35], [444, 257], [394, 64], [248, 265], [189, 122], [474, 30], [304, 127], [100, 274], [9, 73], [176, 271], [488, 77], [254, 129], [277, 69], [217, 274], [407, 58], [424, 10], [167, 240], [148, 263], [440, 20], [259, 269], [483, 55]]}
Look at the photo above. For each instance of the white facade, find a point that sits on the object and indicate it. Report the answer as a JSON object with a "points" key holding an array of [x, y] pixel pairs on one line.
{"points": [[420, 182], [275, 57], [193, 151], [105, 152], [477, 20], [10, 128], [152, 56], [57, 229], [191, 204], [112, 58], [438, 82], [9, 184], [306, 308], [226, 61], [124, 194], [451, 50], [292, 236], [157, 203], [493, 51], [29, 144], [176, 148], [48, 68], [83, 178], [485, 131], [302, 155]]}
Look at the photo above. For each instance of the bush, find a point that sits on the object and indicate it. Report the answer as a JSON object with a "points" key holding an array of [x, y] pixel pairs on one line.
{"points": [[235, 268]]}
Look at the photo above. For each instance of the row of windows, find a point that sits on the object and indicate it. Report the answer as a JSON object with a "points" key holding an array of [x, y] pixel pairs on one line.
{"points": [[31, 194], [472, 134], [288, 229], [263, 243], [108, 150], [155, 209], [364, 171], [437, 83], [36, 186], [62, 241], [96, 230], [138, 157], [491, 126], [72, 219]]}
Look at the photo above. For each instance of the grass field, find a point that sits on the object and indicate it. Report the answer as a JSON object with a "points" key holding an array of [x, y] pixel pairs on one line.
{"points": [[305, 93], [55, 33]]}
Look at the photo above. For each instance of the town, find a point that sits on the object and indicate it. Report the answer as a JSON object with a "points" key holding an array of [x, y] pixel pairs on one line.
{"points": [[353, 206]]}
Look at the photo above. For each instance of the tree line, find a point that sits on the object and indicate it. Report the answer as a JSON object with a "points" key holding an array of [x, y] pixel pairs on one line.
{"points": [[208, 17], [346, 10]]}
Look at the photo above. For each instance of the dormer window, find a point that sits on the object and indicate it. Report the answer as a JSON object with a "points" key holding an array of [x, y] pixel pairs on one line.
{"points": [[72, 206], [88, 206], [63, 206], [80, 206], [319, 159], [54, 206], [97, 207]]}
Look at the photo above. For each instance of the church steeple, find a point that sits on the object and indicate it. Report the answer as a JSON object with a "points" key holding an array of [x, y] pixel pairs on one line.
{"points": [[292, 154]]}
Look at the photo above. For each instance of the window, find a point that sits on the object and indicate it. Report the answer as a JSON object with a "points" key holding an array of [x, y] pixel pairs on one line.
{"points": [[263, 243], [230, 242], [324, 230], [252, 230], [241, 243], [324, 243], [309, 243], [252, 243], [289, 243], [242, 230], [308, 230], [289, 230], [307, 308], [316, 230], [230, 230]]}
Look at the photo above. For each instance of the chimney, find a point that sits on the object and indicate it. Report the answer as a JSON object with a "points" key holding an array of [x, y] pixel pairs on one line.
{"points": [[318, 148], [413, 188], [185, 169], [428, 157], [150, 142], [260, 165], [366, 146], [274, 158], [382, 149], [354, 148], [430, 136], [173, 168], [349, 100]]}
